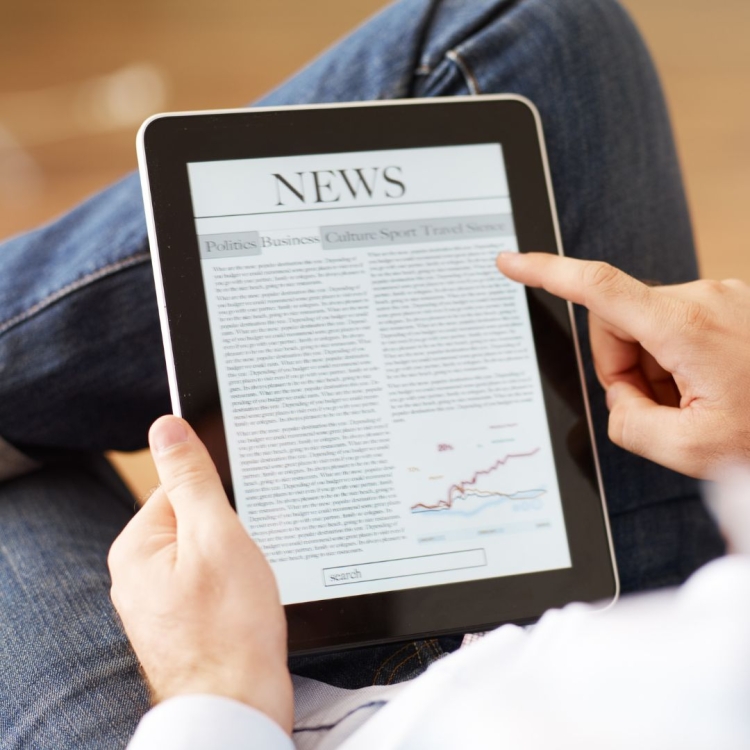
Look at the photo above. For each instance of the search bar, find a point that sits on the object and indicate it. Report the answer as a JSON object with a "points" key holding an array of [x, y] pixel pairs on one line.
{"points": [[403, 567]]}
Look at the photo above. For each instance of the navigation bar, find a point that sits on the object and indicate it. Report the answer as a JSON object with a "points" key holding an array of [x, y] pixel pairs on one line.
{"points": [[389, 233]]}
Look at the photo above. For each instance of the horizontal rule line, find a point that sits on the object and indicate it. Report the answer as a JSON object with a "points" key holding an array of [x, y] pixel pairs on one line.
{"points": [[344, 208]]}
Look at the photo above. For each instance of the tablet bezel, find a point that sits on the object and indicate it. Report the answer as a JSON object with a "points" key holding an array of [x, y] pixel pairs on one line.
{"points": [[167, 143]]}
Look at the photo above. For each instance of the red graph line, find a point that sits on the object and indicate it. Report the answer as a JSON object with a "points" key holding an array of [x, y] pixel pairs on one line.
{"points": [[459, 488]]}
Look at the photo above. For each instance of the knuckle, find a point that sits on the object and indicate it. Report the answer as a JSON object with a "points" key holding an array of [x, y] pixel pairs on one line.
{"points": [[600, 275], [735, 283], [710, 287], [695, 317], [624, 433], [185, 470], [186, 476]]}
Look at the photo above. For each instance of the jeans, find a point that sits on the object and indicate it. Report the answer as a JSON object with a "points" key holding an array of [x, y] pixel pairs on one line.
{"points": [[82, 369]]}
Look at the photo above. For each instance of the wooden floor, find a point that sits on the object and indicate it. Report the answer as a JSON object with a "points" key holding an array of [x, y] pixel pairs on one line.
{"points": [[76, 78]]}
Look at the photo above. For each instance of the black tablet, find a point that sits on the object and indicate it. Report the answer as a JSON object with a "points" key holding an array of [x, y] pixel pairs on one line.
{"points": [[402, 430]]}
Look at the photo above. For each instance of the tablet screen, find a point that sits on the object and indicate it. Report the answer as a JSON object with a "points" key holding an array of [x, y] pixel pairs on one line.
{"points": [[378, 379]]}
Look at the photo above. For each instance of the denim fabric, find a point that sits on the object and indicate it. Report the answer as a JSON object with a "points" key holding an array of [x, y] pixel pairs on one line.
{"points": [[81, 359], [81, 364], [68, 678]]}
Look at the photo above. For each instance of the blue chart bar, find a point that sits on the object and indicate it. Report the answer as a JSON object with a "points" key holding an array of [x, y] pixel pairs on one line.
{"points": [[519, 527]]}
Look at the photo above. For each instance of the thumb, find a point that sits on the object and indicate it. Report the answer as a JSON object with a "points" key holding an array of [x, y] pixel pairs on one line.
{"points": [[149, 532], [641, 426], [187, 474]]}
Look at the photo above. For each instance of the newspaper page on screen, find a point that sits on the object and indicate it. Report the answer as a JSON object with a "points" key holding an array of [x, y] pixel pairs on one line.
{"points": [[378, 378]]}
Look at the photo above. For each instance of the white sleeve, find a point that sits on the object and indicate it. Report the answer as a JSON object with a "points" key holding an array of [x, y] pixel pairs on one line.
{"points": [[661, 670], [203, 722]]}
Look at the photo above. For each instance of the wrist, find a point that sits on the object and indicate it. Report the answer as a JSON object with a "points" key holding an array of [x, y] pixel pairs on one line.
{"points": [[265, 687]]}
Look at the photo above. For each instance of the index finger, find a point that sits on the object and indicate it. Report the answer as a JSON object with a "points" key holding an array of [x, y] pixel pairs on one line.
{"points": [[606, 291]]}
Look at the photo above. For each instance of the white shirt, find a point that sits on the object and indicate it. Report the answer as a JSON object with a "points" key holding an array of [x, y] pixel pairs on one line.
{"points": [[665, 670]]}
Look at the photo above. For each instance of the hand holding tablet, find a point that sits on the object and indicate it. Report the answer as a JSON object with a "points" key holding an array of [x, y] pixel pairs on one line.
{"points": [[402, 430]]}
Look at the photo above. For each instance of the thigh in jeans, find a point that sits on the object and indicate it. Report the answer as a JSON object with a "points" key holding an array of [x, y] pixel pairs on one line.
{"points": [[68, 678]]}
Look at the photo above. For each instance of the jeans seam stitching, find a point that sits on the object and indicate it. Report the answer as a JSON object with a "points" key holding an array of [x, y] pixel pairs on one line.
{"points": [[420, 649], [74, 286], [386, 660], [434, 648], [471, 80], [428, 63], [403, 663]]}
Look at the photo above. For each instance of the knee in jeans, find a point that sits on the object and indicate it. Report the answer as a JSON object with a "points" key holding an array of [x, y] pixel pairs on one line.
{"points": [[500, 35]]}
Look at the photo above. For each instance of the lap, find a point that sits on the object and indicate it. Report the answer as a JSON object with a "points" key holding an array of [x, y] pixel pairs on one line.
{"points": [[620, 199], [68, 677]]}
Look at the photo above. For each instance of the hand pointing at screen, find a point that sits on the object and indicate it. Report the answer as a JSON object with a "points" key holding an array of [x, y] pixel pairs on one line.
{"points": [[674, 361]]}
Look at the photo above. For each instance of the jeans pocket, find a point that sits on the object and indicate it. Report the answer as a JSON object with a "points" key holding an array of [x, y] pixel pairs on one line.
{"points": [[408, 661]]}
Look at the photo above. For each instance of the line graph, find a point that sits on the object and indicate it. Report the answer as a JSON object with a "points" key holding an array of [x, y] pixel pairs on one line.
{"points": [[467, 488]]}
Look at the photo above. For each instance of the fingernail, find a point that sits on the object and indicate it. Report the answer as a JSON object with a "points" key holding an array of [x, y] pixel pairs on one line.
{"points": [[166, 433], [507, 256]]}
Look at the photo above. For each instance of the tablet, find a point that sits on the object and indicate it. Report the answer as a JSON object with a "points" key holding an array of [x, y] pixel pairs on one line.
{"points": [[401, 429]]}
